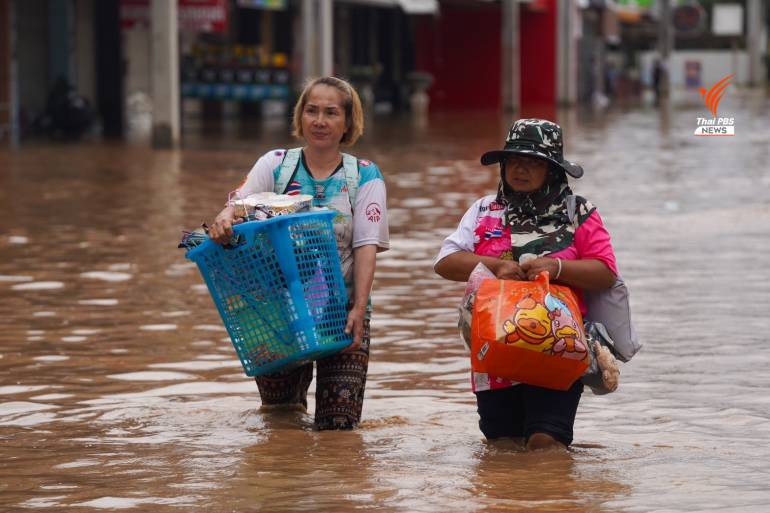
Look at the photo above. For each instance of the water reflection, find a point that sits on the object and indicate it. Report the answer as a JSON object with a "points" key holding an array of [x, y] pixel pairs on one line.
{"points": [[334, 474], [508, 478]]}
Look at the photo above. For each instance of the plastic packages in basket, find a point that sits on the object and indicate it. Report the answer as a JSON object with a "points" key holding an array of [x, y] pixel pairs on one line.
{"points": [[280, 291], [265, 205]]}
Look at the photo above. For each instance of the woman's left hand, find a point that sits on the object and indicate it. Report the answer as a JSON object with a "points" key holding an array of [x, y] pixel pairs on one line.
{"points": [[355, 326], [535, 266]]}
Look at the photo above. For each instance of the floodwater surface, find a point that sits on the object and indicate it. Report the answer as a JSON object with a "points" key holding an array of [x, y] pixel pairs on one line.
{"points": [[119, 389]]}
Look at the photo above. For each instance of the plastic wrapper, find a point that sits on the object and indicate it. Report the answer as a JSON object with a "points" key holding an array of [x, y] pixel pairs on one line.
{"points": [[264, 205], [479, 274], [603, 374], [282, 204]]}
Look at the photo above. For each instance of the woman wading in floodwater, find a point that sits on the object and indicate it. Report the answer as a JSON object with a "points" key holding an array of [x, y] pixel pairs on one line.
{"points": [[328, 115]]}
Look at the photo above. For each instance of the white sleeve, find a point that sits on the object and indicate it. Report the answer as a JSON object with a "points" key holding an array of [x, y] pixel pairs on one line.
{"points": [[464, 237], [370, 216], [261, 177]]}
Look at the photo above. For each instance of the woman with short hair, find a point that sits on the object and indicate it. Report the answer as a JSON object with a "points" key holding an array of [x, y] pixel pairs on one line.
{"points": [[327, 116]]}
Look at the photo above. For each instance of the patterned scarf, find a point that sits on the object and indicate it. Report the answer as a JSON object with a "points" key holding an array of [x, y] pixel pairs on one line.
{"points": [[538, 220]]}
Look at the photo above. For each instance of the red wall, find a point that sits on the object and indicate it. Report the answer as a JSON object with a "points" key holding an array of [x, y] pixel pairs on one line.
{"points": [[461, 48], [538, 55]]}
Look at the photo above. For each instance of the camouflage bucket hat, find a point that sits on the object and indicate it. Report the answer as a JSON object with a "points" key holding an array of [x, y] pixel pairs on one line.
{"points": [[535, 138]]}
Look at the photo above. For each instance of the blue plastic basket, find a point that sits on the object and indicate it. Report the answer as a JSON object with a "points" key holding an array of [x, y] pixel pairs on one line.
{"points": [[280, 291]]}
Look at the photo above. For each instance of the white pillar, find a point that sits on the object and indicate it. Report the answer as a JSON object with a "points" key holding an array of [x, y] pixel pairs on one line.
{"points": [[326, 36], [511, 65], [755, 41], [165, 74], [309, 35], [317, 38]]}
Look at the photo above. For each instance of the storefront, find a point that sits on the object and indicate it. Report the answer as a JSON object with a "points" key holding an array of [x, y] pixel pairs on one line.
{"points": [[234, 57]]}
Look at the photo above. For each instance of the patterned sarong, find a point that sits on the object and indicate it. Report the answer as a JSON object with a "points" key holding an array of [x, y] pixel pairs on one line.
{"points": [[340, 383]]}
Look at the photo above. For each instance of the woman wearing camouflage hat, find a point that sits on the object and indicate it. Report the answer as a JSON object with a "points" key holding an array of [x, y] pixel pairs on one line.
{"points": [[522, 230]]}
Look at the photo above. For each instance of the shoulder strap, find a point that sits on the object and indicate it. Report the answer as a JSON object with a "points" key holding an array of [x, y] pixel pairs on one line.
{"points": [[289, 166], [572, 209], [290, 163], [350, 167]]}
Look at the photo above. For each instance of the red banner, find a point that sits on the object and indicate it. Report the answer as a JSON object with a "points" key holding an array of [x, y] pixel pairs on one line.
{"points": [[194, 15]]}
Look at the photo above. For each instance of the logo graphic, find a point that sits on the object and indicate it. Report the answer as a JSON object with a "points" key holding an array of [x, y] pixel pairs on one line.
{"points": [[373, 212], [715, 125], [715, 94]]}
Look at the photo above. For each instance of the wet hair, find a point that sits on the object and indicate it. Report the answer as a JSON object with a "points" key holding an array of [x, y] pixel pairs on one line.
{"points": [[351, 103]]}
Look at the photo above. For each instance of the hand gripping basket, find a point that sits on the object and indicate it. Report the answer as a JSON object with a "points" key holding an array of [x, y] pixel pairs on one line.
{"points": [[279, 291]]}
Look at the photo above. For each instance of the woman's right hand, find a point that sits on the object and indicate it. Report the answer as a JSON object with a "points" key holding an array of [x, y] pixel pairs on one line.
{"points": [[509, 270], [221, 230]]}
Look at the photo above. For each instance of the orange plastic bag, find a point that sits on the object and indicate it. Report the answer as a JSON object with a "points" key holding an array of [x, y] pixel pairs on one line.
{"points": [[528, 331]]}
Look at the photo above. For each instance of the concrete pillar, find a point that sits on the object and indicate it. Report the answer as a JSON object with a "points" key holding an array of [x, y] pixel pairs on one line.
{"points": [[511, 65], [755, 41], [165, 74], [326, 36], [309, 54], [317, 38], [567, 54]]}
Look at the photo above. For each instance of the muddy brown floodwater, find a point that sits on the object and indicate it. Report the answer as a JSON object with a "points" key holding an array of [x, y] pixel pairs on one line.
{"points": [[119, 389]]}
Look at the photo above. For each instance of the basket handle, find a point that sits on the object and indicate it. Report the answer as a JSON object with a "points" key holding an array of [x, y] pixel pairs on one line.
{"points": [[246, 235]]}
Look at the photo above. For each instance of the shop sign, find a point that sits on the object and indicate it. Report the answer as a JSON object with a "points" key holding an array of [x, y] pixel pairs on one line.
{"points": [[263, 4], [727, 20], [689, 20], [194, 15], [643, 4]]}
